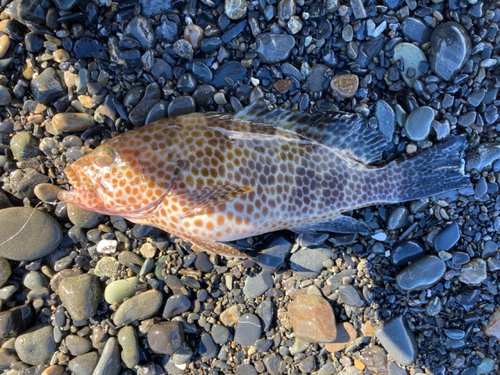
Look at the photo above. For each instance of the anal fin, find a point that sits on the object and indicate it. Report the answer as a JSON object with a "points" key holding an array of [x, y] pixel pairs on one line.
{"points": [[338, 224], [216, 248]]}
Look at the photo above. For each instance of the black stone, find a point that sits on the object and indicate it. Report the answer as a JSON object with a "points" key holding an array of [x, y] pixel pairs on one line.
{"points": [[15, 30], [86, 47], [32, 10], [406, 252], [416, 30], [15, 321], [181, 105], [47, 86], [273, 48], [234, 31], [210, 44], [33, 42], [229, 74]]}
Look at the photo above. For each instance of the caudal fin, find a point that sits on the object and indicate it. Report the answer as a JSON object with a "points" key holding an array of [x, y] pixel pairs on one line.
{"points": [[433, 171]]}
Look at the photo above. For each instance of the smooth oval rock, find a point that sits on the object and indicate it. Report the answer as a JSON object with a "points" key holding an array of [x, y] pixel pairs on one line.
{"points": [[118, 290], [248, 329], [407, 251], [27, 233], [24, 146], [312, 319], [71, 122], [418, 124], [127, 337], [450, 49], [109, 362], [422, 274], [412, 57], [399, 340], [80, 295], [84, 364], [447, 238], [139, 307], [36, 346], [166, 337], [47, 86]]}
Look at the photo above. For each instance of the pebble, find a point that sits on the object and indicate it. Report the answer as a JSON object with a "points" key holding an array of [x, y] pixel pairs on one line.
{"points": [[24, 146], [490, 249], [48, 86], [235, 9], [176, 305], [16, 320], [167, 31], [312, 319], [422, 274], [107, 267], [4, 44], [493, 327], [140, 29], [109, 362], [47, 192], [346, 333], [418, 124], [118, 290], [248, 329], [28, 233], [447, 238], [398, 218], [194, 35], [207, 347], [220, 334], [273, 254], [5, 271], [386, 119], [416, 30], [309, 262], [273, 48], [412, 57], [86, 47], [5, 97], [36, 346], [345, 85], [78, 345], [258, 284], [152, 95], [139, 307], [406, 252], [166, 337], [358, 9], [450, 49], [152, 7], [84, 364], [82, 218], [182, 105], [398, 340], [485, 154], [184, 49], [474, 272], [127, 337], [80, 295], [350, 296], [71, 122]]}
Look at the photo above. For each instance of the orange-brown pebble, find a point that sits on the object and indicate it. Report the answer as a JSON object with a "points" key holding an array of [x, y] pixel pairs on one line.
{"points": [[493, 326], [71, 122], [54, 370], [345, 334], [359, 365], [283, 85], [194, 35], [230, 316], [312, 319], [86, 101], [368, 329], [345, 85]]}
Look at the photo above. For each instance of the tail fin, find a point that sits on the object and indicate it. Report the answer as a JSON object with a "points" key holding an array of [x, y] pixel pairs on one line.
{"points": [[434, 171]]}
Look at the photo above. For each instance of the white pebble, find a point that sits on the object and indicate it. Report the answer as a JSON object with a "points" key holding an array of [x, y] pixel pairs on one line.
{"points": [[107, 246]]}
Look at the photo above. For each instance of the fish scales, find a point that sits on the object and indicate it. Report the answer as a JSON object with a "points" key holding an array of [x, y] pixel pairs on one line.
{"points": [[212, 178]]}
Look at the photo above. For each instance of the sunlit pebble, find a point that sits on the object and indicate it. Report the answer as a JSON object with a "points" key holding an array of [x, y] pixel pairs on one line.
{"points": [[380, 236], [107, 246]]}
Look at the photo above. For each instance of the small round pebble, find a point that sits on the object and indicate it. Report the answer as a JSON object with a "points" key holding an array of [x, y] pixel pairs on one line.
{"points": [[418, 124], [248, 329], [412, 57], [166, 337], [345, 85]]}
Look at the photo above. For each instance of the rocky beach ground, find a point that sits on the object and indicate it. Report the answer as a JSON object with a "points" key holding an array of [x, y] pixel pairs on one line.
{"points": [[84, 293]]}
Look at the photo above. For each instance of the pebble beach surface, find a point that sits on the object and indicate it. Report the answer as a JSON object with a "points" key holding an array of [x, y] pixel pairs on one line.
{"points": [[82, 293]]}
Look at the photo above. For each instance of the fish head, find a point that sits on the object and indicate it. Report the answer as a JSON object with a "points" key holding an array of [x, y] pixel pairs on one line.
{"points": [[119, 178]]}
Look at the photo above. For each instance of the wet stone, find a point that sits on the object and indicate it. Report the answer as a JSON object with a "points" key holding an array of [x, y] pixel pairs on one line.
{"points": [[228, 74], [398, 218], [109, 362], [447, 238], [386, 119], [266, 314], [312, 319], [16, 320], [406, 252], [86, 48], [78, 345], [166, 337], [398, 340], [235, 9], [152, 95], [82, 218], [167, 31], [33, 42], [273, 254], [47, 86], [24, 146], [176, 305], [273, 48], [140, 29], [80, 295], [412, 57], [309, 262], [207, 347], [127, 338], [421, 274], [474, 272], [248, 329], [36, 346], [40, 233], [418, 124], [450, 49], [358, 9], [490, 249], [181, 105], [416, 30], [184, 49], [345, 85], [139, 307], [71, 122], [84, 364], [257, 285]]}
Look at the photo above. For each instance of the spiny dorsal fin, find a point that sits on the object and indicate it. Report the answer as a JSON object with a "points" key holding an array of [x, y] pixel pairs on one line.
{"points": [[343, 131]]}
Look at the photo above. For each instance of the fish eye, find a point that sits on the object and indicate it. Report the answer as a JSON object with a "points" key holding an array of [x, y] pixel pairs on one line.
{"points": [[105, 156]]}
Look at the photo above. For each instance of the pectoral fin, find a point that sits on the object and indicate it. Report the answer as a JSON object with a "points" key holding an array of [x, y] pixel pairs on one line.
{"points": [[339, 224], [216, 248], [198, 201]]}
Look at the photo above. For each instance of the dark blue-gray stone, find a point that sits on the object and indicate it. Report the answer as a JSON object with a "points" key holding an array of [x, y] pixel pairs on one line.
{"points": [[48, 86], [207, 347], [273, 48], [406, 252], [181, 105], [248, 329], [257, 285], [229, 74], [421, 274], [490, 249], [176, 305], [398, 340], [152, 7], [266, 313], [416, 30], [85, 47], [220, 334], [309, 262], [450, 49], [140, 29], [447, 238], [386, 119], [418, 124], [350, 296], [167, 31], [274, 252], [246, 370]]}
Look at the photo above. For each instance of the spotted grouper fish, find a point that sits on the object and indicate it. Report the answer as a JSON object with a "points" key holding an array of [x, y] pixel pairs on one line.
{"points": [[210, 178]]}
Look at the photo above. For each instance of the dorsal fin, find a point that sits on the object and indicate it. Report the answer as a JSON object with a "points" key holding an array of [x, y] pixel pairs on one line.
{"points": [[346, 132]]}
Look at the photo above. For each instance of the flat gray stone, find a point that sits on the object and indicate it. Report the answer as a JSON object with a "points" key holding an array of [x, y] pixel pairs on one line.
{"points": [[27, 233], [36, 346], [139, 307], [421, 274], [84, 364], [309, 262], [418, 124], [80, 295], [257, 285], [398, 340], [248, 329]]}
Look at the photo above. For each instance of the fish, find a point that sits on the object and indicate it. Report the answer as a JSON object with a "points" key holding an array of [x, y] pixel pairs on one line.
{"points": [[213, 178]]}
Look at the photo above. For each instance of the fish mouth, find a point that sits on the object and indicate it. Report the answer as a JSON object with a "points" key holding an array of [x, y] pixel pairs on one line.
{"points": [[73, 196]]}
